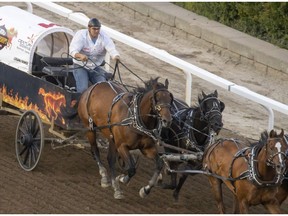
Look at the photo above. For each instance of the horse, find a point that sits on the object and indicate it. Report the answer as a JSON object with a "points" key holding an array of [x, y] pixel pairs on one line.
{"points": [[283, 188], [252, 173], [129, 121], [192, 129]]}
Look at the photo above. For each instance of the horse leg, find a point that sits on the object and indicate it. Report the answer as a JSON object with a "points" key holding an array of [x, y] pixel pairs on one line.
{"points": [[173, 177], [91, 135], [273, 207], [243, 206], [111, 158], [144, 191], [129, 160], [217, 191], [235, 204], [179, 186], [183, 179]]}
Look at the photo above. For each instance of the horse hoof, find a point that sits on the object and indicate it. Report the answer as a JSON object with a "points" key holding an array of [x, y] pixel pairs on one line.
{"points": [[159, 179], [105, 183], [119, 195], [142, 193], [121, 178]]}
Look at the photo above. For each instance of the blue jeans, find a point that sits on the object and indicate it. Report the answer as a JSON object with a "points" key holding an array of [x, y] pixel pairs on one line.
{"points": [[83, 76]]}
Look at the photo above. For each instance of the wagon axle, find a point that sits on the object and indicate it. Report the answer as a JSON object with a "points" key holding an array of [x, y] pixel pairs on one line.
{"points": [[26, 139]]}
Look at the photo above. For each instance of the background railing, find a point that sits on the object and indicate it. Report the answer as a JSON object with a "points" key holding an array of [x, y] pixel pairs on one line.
{"points": [[269, 104]]}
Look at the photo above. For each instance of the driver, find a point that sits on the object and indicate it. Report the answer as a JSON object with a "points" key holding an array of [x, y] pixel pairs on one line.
{"points": [[88, 49]]}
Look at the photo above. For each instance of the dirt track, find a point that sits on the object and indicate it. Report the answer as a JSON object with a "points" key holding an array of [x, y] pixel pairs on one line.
{"points": [[67, 181]]}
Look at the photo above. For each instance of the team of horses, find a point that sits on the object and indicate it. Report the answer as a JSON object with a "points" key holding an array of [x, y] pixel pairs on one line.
{"points": [[149, 117]]}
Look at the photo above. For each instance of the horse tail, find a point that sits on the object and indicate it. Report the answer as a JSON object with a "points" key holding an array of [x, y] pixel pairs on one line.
{"points": [[70, 112]]}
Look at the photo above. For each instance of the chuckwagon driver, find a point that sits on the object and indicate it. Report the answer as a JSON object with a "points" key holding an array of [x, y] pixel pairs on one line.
{"points": [[88, 49]]}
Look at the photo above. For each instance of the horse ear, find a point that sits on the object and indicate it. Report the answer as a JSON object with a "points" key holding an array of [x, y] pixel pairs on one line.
{"points": [[204, 95], [272, 133], [222, 106], [166, 83], [282, 132], [216, 93]]}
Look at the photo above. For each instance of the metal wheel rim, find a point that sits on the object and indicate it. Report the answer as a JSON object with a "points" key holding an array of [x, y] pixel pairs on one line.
{"points": [[29, 140]]}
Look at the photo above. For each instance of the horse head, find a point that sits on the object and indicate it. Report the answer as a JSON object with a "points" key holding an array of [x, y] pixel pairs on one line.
{"points": [[161, 101], [211, 110], [276, 151]]}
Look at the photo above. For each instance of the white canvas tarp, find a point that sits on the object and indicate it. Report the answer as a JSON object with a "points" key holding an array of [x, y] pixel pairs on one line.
{"points": [[22, 34]]}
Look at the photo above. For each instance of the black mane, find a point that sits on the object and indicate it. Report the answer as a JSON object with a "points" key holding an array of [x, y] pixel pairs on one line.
{"points": [[263, 139], [149, 85], [201, 98]]}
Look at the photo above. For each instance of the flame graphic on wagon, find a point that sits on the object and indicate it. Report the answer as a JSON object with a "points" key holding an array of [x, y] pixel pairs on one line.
{"points": [[53, 102]]}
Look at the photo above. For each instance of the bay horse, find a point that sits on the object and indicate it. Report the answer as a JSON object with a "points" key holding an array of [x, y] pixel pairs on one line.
{"points": [[251, 173], [129, 121], [192, 129], [283, 188]]}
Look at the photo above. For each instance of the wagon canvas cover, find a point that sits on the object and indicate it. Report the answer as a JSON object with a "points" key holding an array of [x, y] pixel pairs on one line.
{"points": [[23, 33]]}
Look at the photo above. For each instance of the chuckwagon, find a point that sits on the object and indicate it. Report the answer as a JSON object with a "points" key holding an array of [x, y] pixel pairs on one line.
{"points": [[35, 70]]}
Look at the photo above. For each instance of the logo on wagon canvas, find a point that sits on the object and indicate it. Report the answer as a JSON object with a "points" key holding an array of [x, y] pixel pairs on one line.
{"points": [[47, 25], [25, 45], [3, 37], [6, 36]]}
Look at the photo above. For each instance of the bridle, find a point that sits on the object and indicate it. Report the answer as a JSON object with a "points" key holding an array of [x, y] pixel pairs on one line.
{"points": [[282, 156], [253, 171], [157, 107], [214, 111]]}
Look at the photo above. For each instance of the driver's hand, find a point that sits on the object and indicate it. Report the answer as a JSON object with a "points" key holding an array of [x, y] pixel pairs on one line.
{"points": [[117, 58], [82, 57]]}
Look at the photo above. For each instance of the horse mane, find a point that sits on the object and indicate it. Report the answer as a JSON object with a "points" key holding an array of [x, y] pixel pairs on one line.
{"points": [[262, 140], [200, 98], [149, 85]]}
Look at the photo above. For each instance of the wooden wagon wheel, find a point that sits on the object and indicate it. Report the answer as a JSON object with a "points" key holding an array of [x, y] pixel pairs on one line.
{"points": [[29, 140]]}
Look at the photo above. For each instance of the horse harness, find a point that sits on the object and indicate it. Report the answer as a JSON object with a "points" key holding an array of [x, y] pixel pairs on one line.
{"points": [[133, 118], [250, 156], [189, 114]]}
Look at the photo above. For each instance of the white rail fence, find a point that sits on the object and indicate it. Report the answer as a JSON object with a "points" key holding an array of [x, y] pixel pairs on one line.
{"points": [[269, 104]]}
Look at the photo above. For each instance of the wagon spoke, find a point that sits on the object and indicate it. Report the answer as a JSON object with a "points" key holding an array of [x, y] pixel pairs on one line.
{"points": [[35, 146], [36, 131], [23, 150], [30, 157], [26, 156], [33, 155], [27, 122], [33, 126], [22, 130]]}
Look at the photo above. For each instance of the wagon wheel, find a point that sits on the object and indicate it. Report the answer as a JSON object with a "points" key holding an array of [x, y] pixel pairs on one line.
{"points": [[123, 166], [29, 140]]}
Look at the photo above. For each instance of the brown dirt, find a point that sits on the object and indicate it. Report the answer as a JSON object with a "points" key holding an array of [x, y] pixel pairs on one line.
{"points": [[66, 180]]}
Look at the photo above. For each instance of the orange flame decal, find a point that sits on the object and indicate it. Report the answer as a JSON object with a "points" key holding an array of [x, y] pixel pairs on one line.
{"points": [[53, 102], [21, 103]]}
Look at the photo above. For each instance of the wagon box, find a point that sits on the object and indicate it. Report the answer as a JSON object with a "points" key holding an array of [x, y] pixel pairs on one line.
{"points": [[25, 79]]}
